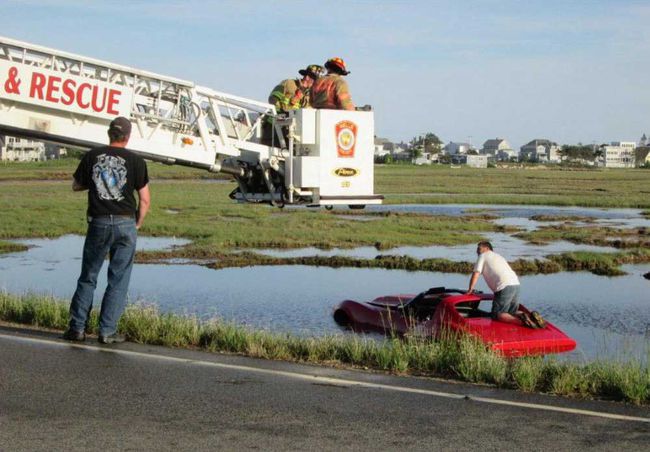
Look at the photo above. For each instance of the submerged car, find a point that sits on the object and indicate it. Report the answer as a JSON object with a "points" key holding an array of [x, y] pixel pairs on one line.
{"points": [[440, 311]]}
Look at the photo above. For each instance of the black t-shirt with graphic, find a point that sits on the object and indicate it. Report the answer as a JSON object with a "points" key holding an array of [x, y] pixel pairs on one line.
{"points": [[111, 175]]}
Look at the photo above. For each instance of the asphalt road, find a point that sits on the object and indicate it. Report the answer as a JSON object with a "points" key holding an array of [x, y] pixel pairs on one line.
{"points": [[57, 396]]}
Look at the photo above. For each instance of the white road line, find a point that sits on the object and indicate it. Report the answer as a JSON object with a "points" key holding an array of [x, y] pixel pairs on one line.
{"points": [[335, 381]]}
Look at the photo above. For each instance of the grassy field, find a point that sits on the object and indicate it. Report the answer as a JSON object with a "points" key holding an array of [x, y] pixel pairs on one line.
{"points": [[533, 185], [464, 359], [203, 212], [440, 183]]}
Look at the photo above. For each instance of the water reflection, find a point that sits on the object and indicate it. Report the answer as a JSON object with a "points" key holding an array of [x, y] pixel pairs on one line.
{"points": [[608, 316]]}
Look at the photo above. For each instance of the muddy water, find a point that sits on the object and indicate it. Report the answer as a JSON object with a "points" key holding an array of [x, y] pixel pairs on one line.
{"points": [[608, 316]]}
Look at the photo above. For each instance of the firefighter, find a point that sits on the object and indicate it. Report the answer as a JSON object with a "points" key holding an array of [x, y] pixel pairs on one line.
{"points": [[290, 94], [332, 90]]}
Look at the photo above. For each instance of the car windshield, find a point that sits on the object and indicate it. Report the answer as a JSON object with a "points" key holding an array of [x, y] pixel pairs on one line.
{"points": [[433, 295]]}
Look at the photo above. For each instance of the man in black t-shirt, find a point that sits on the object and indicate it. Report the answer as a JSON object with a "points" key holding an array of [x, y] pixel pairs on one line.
{"points": [[111, 174]]}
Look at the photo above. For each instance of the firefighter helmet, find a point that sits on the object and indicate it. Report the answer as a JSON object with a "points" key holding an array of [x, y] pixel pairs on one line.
{"points": [[313, 70], [337, 65]]}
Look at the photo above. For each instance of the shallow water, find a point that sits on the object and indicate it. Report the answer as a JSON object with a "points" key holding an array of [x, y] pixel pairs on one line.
{"points": [[519, 215], [508, 211], [509, 247], [607, 316]]}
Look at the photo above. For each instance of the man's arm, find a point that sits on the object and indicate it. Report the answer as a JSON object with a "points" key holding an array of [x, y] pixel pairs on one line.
{"points": [[76, 186], [472, 281], [143, 205]]}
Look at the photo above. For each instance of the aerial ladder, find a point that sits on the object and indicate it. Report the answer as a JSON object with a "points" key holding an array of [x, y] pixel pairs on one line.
{"points": [[317, 157]]}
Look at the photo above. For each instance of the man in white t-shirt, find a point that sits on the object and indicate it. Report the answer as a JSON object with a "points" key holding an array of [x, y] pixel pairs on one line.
{"points": [[503, 281]]}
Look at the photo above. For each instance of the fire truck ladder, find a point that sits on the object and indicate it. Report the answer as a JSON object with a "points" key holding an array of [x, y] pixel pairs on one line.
{"points": [[175, 121]]}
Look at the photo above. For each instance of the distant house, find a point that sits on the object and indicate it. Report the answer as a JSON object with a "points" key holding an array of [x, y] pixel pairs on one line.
{"points": [[381, 148], [53, 151], [401, 154], [21, 150], [454, 148], [499, 149], [477, 161], [540, 150], [472, 160], [619, 154], [427, 158]]}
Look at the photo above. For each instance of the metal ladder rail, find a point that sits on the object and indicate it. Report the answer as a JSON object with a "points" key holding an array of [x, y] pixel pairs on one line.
{"points": [[161, 102]]}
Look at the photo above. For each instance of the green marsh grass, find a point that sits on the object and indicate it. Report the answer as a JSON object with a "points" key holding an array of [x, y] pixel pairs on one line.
{"points": [[203, 213], [622, 238], [537, 185], [437, 184], [605, 264], [462, 358], [186, 206], [10, 247]]}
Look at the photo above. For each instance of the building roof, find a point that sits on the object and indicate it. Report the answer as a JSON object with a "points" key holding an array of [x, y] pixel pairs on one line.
{"points": [[457, 143], [541, 142], [493, 142]]}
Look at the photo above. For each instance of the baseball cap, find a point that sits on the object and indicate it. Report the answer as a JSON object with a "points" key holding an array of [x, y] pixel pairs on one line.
{"points": [[122, 125]]}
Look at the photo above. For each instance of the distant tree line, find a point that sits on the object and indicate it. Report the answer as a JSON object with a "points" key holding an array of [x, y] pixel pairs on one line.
{"points": [[429, 142], [580, 152]]}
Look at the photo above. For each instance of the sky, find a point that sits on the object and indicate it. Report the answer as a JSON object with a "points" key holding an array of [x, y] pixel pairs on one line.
{"points": [[570, 71]]}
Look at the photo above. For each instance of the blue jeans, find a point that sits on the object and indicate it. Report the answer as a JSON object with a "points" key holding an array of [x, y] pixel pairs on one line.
{"points": [[115, 236]]}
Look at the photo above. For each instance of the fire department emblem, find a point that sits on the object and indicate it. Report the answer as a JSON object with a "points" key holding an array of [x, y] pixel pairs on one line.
{"points": [[346, 138]]}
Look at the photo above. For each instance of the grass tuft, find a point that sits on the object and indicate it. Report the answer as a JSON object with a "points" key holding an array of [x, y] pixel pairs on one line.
{"points": [[10, 247]]}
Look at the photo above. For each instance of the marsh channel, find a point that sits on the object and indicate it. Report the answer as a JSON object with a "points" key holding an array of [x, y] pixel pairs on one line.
{"points": [[608, 316]]}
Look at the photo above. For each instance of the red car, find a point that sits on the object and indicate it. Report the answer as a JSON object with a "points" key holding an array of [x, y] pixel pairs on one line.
{"points": [[439, 309]]}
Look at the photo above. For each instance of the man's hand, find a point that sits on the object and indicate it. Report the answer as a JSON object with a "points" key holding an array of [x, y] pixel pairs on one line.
{"points": [[472, 282]]}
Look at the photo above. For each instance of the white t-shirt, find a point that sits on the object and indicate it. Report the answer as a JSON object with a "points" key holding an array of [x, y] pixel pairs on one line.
{"points": [[496, 271]]}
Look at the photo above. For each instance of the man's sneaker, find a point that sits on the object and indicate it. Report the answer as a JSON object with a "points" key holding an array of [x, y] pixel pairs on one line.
{"points": [[527, 321], [75, 336], [538, 319], [111, 339]]}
